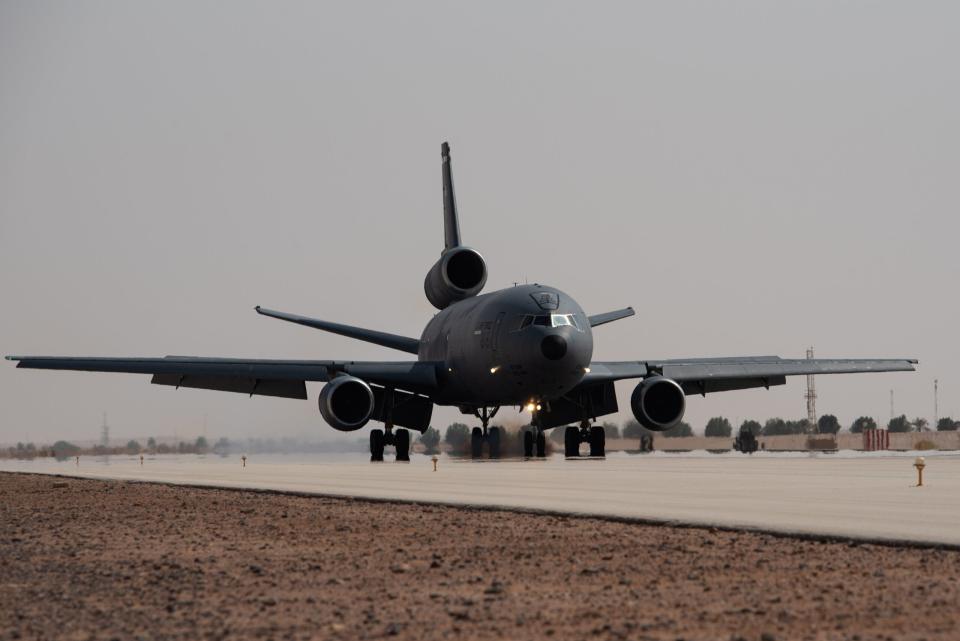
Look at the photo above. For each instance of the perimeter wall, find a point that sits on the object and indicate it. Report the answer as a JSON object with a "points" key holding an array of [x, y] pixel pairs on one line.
{"points": [[845, 441]]}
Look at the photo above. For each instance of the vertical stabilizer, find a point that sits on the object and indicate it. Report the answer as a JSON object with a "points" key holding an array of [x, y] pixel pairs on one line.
{"points": [[451, 226]]}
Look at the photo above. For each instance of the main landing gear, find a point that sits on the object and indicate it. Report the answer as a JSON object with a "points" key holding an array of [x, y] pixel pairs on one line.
{"points": [[489, 435], [400, 439], [594, 435]]}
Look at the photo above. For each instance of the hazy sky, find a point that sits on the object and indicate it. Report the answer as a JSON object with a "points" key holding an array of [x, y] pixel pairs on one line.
{"points": [[753, 177]]}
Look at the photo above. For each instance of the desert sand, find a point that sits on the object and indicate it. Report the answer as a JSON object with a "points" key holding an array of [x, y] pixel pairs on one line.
{"points": [[96, 559]]}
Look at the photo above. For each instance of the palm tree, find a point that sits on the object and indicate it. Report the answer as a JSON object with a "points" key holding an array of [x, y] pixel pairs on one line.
{"points": [[920, 424]]}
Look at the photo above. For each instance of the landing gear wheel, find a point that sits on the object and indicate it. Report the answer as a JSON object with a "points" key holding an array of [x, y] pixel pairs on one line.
{"points": [[598, 441], [476, 443], [402, 442], [493, 439], [528, 444], [541, 444], [376, 445], [571, 442]]}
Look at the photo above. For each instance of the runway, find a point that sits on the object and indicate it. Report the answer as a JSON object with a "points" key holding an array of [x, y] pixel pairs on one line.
{"points": [[858, 495]]}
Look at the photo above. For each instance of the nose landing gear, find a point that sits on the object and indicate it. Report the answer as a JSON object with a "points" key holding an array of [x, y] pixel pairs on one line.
{"points": [[488, 435], [594, 435], [534, 438]]}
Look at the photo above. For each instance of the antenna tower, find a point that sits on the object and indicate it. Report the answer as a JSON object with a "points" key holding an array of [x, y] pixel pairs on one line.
{"points": [[891, 405], [811, 397], [936, 405]]}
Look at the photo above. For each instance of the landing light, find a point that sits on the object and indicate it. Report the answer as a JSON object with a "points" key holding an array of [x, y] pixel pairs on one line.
{"points": [[538, 407], [493, 370], [531, 407], [586, 370]]}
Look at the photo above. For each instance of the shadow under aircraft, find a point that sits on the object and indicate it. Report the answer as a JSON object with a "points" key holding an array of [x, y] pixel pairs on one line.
{"points": [[529, 346]]}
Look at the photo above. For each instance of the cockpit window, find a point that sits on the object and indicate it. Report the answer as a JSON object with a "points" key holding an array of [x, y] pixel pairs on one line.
{"points": [[549, 320], [559, 320]]}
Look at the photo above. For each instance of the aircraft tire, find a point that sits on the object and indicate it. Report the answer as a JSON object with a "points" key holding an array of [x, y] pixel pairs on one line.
{"points": [[402, 439], [376, 445], [541, 444], [476, 443], [571, 442], [598, 441], [493, 440], [528, 444]]}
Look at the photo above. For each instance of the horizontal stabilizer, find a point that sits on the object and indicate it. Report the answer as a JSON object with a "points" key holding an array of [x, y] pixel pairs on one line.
{"points": [[609, 317], [402, 343]]}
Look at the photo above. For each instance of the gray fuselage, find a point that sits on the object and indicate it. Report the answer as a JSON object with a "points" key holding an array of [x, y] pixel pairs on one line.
{"points": [[515, 346]]}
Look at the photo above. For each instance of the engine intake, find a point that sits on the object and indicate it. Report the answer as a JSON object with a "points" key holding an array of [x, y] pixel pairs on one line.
{"points": [[346, 403], [460, 273], [658, 403]]}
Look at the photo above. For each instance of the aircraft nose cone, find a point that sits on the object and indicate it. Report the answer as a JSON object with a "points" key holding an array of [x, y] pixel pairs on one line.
{"points": [[554, 347]]}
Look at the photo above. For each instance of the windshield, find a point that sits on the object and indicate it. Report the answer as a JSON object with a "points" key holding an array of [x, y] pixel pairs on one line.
{"points": [[549, 320]]}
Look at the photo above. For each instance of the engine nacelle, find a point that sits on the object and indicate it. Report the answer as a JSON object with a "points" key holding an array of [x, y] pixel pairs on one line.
{"points": [[460, 273], [658, 403], [346, 403]]}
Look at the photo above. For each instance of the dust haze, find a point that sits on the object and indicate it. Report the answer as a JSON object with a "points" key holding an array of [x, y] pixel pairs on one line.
{"points": [[753, 178]]}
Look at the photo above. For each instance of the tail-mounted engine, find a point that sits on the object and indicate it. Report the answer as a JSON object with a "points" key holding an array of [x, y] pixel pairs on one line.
{"points": [[460, 273], [658, 403], [346, 403]]}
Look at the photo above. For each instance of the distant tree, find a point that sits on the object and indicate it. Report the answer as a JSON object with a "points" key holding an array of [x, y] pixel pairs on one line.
{"points": [[754, 427], [899, 424], [133, 447], [457, 436], [778, 427], [201, 445], [862, 423], [718, 426], [63, 449], [828, 424], [430, 440], [633, 429], [163, 448], [222, 446], [679, 430], [920, 424], [947, 424], [152, 444], [611, 429]]}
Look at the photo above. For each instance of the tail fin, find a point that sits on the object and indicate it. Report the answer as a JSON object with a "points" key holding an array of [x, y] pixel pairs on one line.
{"points": [[451, 226]]}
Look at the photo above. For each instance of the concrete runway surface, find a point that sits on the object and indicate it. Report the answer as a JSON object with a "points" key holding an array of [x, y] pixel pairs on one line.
{"points": [[851, 494]]}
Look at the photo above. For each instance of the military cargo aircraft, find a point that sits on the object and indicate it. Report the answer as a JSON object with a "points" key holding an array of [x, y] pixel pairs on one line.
{"points": [[528, 346]]}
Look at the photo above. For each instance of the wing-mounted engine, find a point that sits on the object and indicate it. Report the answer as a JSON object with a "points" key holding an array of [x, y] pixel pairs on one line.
{"points": [[461, 272], [658, 403], [346, 403]]}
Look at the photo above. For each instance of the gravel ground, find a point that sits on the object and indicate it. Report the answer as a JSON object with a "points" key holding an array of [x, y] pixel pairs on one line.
{"points": [[85, 559]]}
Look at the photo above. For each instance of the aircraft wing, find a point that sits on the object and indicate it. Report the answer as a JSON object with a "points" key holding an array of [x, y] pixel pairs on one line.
{"points": [[706, 375], [284, 378]]}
